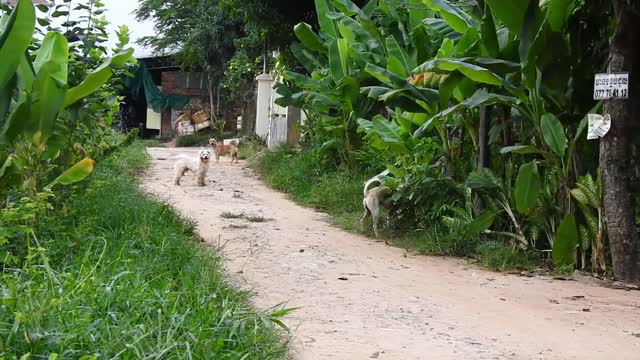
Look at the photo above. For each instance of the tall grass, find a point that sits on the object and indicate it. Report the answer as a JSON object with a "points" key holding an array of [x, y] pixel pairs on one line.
{"points": [[124, 277]]}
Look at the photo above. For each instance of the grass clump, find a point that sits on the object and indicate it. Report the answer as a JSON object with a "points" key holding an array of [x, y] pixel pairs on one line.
{"points": [[250, 218], [123, 278], [230, 215]]}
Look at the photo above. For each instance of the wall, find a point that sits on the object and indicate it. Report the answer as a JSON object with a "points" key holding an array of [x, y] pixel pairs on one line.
{"points": [[171, 85]]}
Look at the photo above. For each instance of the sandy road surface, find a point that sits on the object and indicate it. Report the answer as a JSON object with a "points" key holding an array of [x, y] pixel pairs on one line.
{"points": [[362, 299]]}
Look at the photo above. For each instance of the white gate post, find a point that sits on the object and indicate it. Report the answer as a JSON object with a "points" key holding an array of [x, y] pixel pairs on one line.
{"points": [[265, 83]]}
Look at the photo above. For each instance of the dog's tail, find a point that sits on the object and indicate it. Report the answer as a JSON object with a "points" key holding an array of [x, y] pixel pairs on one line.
{"points": [[369, 182], [234, 142]]}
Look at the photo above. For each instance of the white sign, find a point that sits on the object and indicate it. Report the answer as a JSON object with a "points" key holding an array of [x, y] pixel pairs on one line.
{"points": [[599, 126], [611, 86]]}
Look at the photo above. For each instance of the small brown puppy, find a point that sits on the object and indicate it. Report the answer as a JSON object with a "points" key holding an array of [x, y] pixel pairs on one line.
{"points": [[222, 150], [373, 199]]}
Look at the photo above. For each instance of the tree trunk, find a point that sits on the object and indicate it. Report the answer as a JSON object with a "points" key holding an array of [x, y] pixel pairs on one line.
{"points": [[212, 107], [483, 137], [615, 149], [483, 150]]}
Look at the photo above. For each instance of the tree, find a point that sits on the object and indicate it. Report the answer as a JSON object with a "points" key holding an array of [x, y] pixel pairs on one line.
{"points": [[615, 146], [202, 32]]}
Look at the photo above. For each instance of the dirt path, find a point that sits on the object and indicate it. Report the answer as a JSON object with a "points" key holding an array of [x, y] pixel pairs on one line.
{"points": [[389, 304]]}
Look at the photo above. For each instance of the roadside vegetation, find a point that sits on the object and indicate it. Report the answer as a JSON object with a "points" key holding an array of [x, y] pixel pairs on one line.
{"points": [[476, 121], [473, 112], [91, 267]]}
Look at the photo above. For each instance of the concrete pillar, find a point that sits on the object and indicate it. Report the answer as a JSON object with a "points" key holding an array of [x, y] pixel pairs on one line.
{"points": [[265, 84]]}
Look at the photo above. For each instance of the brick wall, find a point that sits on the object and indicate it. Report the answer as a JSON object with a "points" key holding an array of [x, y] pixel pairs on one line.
{"points": [[199, 100]]}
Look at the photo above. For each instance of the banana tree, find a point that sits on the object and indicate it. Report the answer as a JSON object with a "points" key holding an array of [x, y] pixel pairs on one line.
{"points": [[31, 139], [333, 58]]}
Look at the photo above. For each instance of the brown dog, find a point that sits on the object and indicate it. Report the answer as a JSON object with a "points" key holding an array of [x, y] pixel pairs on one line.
{"points": [[223, 150]]}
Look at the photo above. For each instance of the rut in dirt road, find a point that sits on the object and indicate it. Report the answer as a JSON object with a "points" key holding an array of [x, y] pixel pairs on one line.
{"points": [[362, 299]]}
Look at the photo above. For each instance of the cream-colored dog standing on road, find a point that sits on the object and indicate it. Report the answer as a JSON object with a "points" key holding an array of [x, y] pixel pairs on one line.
{"points": [[198, 166]]}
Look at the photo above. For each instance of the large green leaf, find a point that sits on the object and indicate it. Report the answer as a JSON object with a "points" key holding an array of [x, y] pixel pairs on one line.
{"points": [[327, 25], [309, 39], [335, 63], [389, 78], [418, 13], [483, 179], [509, 12], [15, 39], [488, 33], [54, 49], [387, 131], [473, 72], [17, 121], [343, 50], [48, 98], [479, 98], [558, 12], [481, 223], [305, 81], [530, 28], [400, 56], [26, 73], [76, 173], [456, 18], [348, 8], [96, 78], [553, 133], [528, 187], [565, 242], [8, 164], [6, 95]]}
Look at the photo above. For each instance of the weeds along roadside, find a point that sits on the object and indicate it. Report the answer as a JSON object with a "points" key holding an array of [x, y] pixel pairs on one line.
{"points": [[337, 190], [117, 274]]}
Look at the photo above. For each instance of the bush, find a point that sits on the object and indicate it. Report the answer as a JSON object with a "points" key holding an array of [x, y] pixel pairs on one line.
{"points": [[125, 278]]}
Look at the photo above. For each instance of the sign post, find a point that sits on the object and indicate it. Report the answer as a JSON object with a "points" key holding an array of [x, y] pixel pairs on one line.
{"points": [[611, 86]]}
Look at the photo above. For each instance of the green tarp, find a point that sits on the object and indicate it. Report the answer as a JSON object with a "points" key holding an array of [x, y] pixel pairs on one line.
{"points": [[156, 99]]}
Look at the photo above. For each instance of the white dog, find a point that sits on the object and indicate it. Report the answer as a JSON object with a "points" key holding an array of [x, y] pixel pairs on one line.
{"points": [[199, 166], [372, 200]]}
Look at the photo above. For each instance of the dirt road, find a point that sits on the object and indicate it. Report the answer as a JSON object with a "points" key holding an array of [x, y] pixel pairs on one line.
{"points": [[361, 299]]}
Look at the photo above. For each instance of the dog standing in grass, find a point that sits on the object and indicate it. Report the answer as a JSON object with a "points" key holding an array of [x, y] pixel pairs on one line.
{"points": [[373, 199], [223, 150], [199, 166]]}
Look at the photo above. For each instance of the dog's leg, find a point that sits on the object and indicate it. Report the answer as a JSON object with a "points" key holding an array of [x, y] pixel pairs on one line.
{"points": [[375, 215], [177, 174], [364, 216]]}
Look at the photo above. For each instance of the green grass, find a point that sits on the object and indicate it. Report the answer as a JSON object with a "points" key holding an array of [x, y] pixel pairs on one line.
{"points": [[153, 143], [126, 278], [248, 149], [338, 192]]}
